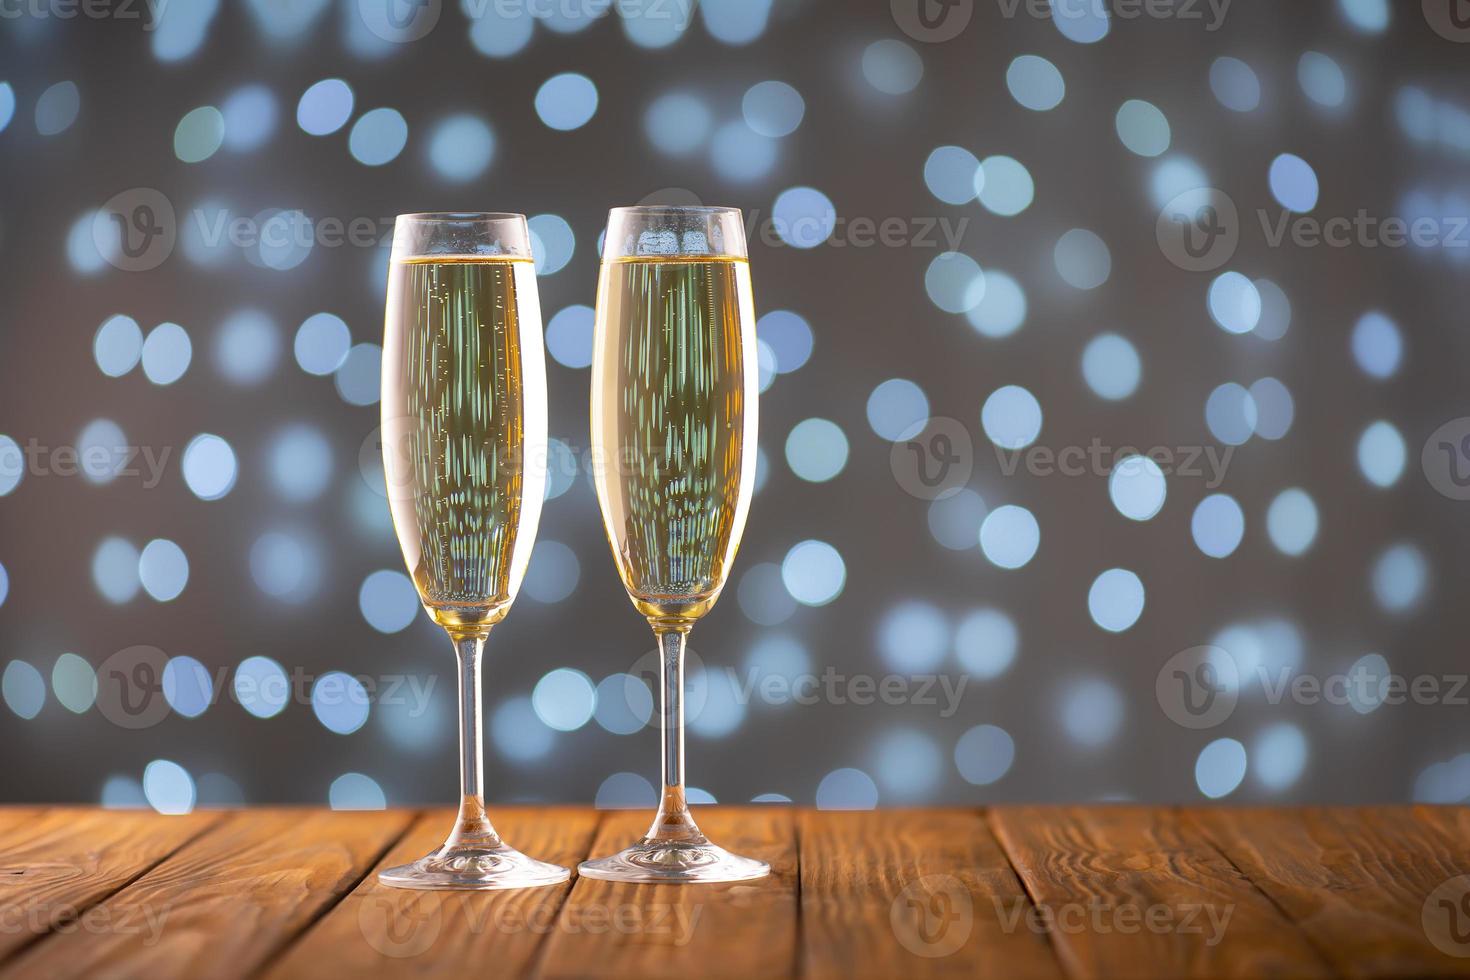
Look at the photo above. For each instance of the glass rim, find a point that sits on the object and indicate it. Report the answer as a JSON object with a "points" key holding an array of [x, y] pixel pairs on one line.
{"points": [[460, 217], [672, 209]]}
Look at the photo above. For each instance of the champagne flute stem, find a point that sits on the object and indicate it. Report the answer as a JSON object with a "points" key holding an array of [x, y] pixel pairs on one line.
{"points": [[673, 822], [473, 826]]}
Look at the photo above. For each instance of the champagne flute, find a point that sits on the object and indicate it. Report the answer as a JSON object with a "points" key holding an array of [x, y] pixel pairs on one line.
{"points": [[464, 451], [674, 389]]}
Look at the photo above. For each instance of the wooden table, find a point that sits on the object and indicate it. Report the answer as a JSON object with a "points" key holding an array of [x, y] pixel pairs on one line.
{"points": [[1007, 892]]}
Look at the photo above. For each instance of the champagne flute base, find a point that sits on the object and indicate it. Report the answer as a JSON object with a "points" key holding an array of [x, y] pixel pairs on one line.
{"points": [[672, 862], [474, 868]]}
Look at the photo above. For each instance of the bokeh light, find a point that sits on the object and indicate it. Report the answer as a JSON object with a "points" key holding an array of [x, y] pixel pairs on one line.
{"points": [[913, 637], [1382, 454], [321, 344], [1116, 599], [340, 702], [986, 642], [117, 346], [816, 450], [1400, 578], [1011, 417], [1291, 521], [1004, 185], [1111, 366], [1217, 525], [950, 173], [247, 347], [1010, 536], [209, 466], [388, 601], [1220, 767], [1035, 83], [984, 754], [461, 148], [378, 136], [325, 107], [1235, 84], [892, 67], [897, 409], [1377, 345], [814, 573], [567, 101], [163, 569], [678, 123], [1137, 487], [773, 108], [1143, 128]]}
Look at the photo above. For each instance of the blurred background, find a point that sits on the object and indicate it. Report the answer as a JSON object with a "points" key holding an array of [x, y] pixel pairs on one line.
{"points": [[1113, 426]]}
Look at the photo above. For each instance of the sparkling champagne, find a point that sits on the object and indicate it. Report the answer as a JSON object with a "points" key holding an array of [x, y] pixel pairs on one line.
{"points": [[674, 425], [464, 417]]}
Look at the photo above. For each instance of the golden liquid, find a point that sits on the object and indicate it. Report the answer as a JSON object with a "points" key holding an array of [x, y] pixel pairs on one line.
{"points": [[464, 430], [674, 425]]}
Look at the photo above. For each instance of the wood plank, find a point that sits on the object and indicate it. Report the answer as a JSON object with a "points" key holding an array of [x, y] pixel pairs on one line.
{"points": [[221, 904], [380, 932], [904, 893], [738, 929], [1356, 881], [1135, 891], [55, 865]]}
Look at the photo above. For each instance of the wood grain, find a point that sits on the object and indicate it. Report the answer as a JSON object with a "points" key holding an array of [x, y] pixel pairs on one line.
{"points": [[913, 893], [221, 904], [378, 931], [1011, 892], [737, 929], [1133, 891], [1354, 881], [55, 865]]}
